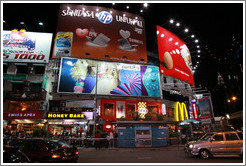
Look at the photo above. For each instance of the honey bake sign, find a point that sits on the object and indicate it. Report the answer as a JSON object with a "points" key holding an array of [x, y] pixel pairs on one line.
{"points": [[65, 116]]}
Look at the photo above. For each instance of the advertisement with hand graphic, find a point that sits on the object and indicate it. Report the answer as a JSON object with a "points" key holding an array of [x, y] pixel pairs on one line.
{"points": [[83, 76], [100, 33], [174, 56]]}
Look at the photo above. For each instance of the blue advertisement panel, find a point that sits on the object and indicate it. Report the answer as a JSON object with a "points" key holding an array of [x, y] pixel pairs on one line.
{"points": [[83, 76]]}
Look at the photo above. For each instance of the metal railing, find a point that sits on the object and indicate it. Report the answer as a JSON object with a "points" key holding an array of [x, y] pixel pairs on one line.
{"points": [[105, 143]]}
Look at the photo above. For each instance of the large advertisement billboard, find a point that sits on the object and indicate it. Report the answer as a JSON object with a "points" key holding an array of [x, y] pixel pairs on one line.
{"points": [[174, 56], [100, 33], [22, 46], [83, 76], [205, 110]]}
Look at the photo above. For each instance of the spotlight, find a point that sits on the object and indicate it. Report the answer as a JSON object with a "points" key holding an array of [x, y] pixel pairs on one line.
{"points": [[145, 5], [171, 21], [186, 30], [22, 23], [162, 35], [198, 51], [192, 36], [178, 24], [198, 46], [141, 11], [196, 41], [127, 7], [40, 23]]}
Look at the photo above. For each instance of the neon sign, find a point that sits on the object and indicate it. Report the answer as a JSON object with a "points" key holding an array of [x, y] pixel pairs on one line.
{"points": [[142, 109], [195, 110], [181, 112]]}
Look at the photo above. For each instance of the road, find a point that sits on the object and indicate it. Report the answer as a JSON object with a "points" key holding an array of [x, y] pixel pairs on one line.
{"points": [[143, 155]]}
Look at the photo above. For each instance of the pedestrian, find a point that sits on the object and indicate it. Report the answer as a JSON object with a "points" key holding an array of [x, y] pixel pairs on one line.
{"points": [[97, 140], [111, 136]]}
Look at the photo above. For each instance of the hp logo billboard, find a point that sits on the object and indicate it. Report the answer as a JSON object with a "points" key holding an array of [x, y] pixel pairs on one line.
{"points": [[105, 17]]}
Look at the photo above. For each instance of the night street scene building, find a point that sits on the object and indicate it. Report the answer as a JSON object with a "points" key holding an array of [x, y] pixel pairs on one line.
{"points": [[121, 75]]}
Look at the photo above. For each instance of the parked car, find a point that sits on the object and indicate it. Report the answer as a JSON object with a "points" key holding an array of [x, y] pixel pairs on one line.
{"points": [[14, 155], [49, 150], [217, 144]]}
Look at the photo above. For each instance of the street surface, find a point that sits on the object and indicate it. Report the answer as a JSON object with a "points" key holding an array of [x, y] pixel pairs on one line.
{"points": [[146, 155]]}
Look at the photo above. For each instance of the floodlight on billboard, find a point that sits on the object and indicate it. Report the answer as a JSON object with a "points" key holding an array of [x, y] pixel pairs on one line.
{"points": [[100, 33], [84, 76], [174, 56], [22, 46]]}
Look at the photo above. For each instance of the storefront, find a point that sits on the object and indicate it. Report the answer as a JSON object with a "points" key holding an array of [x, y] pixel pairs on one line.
{"points": [[24, 122], [69, 123], [113, 110]]}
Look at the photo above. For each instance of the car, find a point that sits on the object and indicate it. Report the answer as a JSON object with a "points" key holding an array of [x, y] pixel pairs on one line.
{"points": [[49, 150], [12, 154], [217, 144]]}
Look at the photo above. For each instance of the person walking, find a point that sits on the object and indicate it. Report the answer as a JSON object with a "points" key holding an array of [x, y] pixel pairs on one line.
{"points": [[111, 137]]}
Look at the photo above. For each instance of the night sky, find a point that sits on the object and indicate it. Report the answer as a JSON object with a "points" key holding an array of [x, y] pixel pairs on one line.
{"points": [[213, 24]]}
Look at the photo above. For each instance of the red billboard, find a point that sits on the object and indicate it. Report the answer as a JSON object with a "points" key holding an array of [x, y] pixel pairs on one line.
{"points": [[174, 56], [100, 33]]}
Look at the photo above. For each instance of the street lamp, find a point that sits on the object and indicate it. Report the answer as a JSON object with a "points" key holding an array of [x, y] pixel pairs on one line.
{"points": [[234, 98]]}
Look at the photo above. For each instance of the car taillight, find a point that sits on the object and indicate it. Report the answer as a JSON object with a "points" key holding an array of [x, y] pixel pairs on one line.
{"points": [[55, 156], [76, 152]]}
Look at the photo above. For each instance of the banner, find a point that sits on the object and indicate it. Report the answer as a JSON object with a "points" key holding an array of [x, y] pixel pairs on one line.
{"points": [[174, 56], [205, 109], [22, 46], [100, 33], [22, 115], [83, 76]]}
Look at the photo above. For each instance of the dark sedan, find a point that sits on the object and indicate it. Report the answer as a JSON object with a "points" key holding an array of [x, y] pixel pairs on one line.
{"points": [[49, 150], [14, 155]]}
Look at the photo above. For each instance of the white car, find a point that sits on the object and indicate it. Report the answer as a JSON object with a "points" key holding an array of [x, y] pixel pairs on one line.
{"points": [[217, 144]]}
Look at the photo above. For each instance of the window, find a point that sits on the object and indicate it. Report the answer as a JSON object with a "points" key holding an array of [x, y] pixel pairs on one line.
{"points": [[39, 69], [131, 110], [240, 134], [108, 109], [231, 136], [36, 87], [22, 69], [5, 68], [218, 137]]}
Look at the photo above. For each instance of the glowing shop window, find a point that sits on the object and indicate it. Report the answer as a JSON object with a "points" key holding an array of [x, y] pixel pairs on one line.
{"points": [[108, 109]]}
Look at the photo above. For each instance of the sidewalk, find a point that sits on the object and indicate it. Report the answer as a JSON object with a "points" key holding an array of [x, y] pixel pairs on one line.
{"points": [[179, 147]]}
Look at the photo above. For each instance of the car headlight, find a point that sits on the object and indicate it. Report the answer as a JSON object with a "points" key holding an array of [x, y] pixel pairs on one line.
{"points": [[190, 146]]}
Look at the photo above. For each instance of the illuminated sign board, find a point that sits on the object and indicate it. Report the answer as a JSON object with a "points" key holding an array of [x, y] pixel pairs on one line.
{"points": [[22, 46], [142, 109], [100, 33], [181, 112], [78, 76], [65, 116], [193, 100], [163, 109], [23, 115], [195, 110], [174, 56]]}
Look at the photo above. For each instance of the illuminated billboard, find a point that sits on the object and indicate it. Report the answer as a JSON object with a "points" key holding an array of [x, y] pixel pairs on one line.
{"points": [[174, 56], [83, 76], [22, 46], [100, 33]]}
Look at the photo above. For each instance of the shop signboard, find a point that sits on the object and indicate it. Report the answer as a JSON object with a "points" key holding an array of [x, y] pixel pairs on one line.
{"points": [[66, 115], [22, 115], [174, 56], [78, 76], [100, 33], [194, 110], [205, 110], [22, 46]]}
